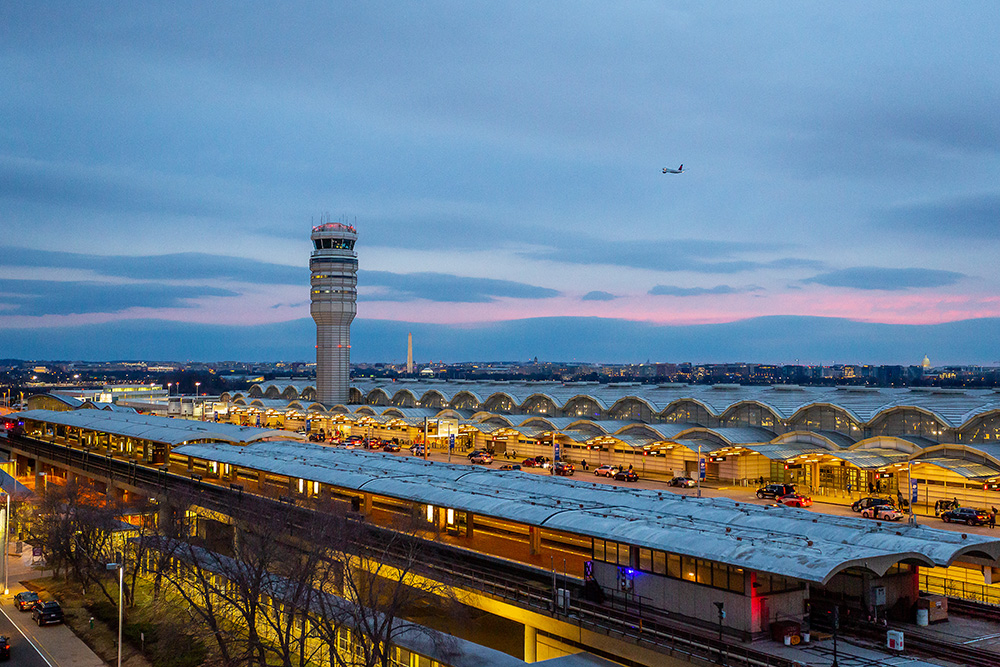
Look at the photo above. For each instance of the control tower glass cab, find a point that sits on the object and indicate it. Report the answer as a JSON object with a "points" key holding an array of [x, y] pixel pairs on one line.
{"points": [[333, 298]]}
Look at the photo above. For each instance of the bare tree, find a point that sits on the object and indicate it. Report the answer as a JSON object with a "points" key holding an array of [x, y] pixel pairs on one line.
{"points": [[299, 586]]}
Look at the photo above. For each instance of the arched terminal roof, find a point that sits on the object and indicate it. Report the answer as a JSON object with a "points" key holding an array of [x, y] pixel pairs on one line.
{"points": [[781, 540], [954, 407], [155, 429]]}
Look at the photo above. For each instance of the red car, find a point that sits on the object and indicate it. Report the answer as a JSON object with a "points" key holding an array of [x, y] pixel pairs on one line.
{"points": [[795, 500]]}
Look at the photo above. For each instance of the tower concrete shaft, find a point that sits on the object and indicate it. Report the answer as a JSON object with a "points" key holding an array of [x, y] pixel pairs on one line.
{"points": [[333, 304], [409, 353]]}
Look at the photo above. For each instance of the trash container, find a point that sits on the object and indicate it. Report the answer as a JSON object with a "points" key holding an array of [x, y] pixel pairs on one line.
{"points": [[923, 616]]}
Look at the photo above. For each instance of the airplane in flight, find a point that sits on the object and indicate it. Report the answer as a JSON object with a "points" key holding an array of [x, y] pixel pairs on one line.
{"points": [[668, 170]]}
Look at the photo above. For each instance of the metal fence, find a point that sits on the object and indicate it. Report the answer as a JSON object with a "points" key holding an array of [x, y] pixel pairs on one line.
{"points": [[960, 589]]}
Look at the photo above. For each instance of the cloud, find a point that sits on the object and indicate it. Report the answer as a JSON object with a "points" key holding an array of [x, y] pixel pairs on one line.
{"points": [[874, 278], [598, 295], [49, 297], [181, 266], [444, 287], [118, 191], [976, 216], [672, 290]]}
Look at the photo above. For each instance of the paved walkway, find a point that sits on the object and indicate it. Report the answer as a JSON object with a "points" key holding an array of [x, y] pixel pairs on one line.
{"points": [[56, 643]]}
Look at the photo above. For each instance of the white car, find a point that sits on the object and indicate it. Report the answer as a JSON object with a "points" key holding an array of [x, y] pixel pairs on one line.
{"points": [[882, 513]]}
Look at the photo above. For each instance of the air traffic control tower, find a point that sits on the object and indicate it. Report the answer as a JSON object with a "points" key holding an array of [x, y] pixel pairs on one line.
{"points": [[333, 297]]}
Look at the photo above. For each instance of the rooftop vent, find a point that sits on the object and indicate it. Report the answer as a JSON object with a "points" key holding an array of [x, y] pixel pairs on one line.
{"points": [[858, 389], [725, 387], [787, 387], [672, 385]]}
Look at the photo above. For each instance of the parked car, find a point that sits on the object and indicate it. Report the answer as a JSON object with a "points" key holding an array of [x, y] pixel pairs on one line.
{"points": [[882, 513], [606, 470], [563, 468], [25, 600], [775, 490], [481, 457], [390, 447], [529, 463], [474, 452], [968, 515], [683, 482], [865, 503], [795, 500], [418, 450], [510, 466], [626, 476], [4, 648], [47, 612]]}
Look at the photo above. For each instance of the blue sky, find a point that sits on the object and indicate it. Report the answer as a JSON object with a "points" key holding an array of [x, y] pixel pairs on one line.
{"points": [[163, 162]]}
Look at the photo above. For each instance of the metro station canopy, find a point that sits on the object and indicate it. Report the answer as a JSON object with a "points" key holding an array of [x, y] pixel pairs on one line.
{"points": [[789, 542], [155, 429]]}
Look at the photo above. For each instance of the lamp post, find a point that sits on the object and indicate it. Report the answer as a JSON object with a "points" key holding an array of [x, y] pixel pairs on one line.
{"points": [[909, 492], [121, 585], [6, 541], [699, 470], [196, 388]]}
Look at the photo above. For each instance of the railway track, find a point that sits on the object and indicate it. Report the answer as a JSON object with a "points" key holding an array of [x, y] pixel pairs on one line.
{"points": [[974, 609]]}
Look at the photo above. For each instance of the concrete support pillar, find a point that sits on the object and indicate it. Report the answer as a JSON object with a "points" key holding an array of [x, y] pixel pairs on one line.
{"points": [[366, 506], [470, 521], [815, 477], [530, 641], [535, 539]]}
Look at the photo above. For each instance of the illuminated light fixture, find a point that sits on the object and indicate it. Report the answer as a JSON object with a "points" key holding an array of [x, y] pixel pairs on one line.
{"points": [[430, 514], [451, 517]]}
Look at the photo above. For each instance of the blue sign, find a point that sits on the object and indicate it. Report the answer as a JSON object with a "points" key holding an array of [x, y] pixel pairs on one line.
{"points": [[701, 468], [555, 451], [308, 421], [451, 441], [258, 421], [913, 491]]}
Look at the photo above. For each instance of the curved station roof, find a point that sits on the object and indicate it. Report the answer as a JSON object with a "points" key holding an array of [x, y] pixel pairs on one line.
{"points": [[155, 429], [953, 407], [871, 428], [781, 540]]}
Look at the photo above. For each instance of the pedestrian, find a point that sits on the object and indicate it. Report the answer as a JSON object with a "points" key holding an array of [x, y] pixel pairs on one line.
{"points": [[584, 463], [954, 503], [993, 518], [871, 488]]}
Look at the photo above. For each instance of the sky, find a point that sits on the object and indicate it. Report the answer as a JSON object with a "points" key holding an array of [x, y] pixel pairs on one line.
{"points": [[502, 161]]}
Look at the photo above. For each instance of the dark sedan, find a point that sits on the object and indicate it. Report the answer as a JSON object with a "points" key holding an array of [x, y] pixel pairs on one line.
{"points": [[967, 515], [626, 476], [25, 600]]}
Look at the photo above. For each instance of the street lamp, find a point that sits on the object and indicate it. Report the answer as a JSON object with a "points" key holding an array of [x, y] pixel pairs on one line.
{"points": [[699, 470], [121, 585], [196, 386], [6, 541], [169, 385]]}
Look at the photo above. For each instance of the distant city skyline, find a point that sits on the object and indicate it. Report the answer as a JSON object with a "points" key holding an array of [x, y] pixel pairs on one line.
{"points": [[503, 166]]}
